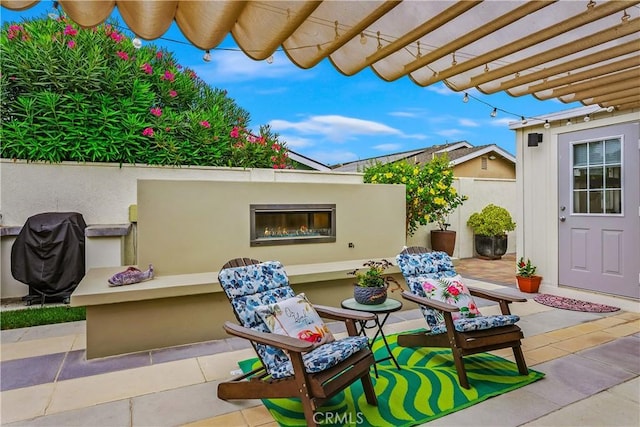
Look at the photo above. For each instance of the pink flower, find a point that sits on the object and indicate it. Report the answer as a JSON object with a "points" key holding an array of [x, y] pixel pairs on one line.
{"points": [[159, 55], [147, 132], [116, 37], [71, 44], [156, 111], [168, 75], [123, 55], [147, 68], [70, 31], [275, 147], [173, 93], [167, 129], [235, 132], [205, 124]]}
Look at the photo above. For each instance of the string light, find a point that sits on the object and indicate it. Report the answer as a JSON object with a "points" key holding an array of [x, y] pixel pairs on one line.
{"points": [[547, 125], [610, 109], [523, 120], [569, 123], [587, 118], [270, 60], [494, 112], [207, 56], [54, 14], [136, 42], [363, 39], [466, 98]]}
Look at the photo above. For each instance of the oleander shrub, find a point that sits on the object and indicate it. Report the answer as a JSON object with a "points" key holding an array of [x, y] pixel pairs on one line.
{"points": [[88, 95]]}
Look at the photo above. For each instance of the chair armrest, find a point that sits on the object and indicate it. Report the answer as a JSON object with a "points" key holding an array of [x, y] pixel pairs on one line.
{"points": [[494, 295], [342, 313], [276, 340], [436, 305]]}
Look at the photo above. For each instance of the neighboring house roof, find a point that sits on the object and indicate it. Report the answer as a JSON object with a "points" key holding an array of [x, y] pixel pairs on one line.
{"points": [[313, 164], [458, 152]]}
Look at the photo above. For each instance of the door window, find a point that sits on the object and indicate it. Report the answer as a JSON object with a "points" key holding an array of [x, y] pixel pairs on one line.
{"points": [[597, 172]]}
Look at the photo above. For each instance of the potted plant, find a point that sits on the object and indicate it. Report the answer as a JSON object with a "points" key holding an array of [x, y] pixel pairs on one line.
{"points": [[371, 287], [430, 195], [490, 228], [526, 277]]}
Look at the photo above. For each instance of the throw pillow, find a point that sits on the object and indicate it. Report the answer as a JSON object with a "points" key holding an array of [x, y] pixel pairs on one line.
{"points": [[452, 291], [297, 318]]}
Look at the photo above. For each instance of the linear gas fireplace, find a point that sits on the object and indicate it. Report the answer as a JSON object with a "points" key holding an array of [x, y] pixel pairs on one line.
{"points": [[292, 224]]}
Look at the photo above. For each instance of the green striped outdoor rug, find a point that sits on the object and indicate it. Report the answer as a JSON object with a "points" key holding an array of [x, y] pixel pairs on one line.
{"points": [[425, 388]]}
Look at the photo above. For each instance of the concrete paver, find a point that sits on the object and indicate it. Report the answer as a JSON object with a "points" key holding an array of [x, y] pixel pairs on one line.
{"points": [[591, 362]]}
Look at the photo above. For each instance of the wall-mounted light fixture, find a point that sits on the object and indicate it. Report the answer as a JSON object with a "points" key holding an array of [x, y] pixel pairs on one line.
{"points": [[533, 139], [492, 157]]}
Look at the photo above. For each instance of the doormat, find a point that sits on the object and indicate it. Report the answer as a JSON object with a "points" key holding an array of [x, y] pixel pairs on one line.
{"points": [[425, 388], [573, 304]]}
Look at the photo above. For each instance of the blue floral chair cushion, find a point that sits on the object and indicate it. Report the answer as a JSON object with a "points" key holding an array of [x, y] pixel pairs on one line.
{"points": [[418, 269], [251, 286]]}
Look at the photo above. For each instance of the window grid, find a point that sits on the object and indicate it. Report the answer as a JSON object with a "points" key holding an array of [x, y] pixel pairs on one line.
{"points": [[596, 177]]}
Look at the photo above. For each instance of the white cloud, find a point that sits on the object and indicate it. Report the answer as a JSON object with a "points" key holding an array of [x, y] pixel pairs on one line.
{"points": [[296, 142], [337, 128], [450, 132], [387, 148], [503, 122], [468, 123], [409, 112], [441, 89], [234, 66]]}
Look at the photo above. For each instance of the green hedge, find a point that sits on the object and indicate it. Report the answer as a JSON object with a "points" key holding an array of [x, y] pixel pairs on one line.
{"points": [[87, 95]]}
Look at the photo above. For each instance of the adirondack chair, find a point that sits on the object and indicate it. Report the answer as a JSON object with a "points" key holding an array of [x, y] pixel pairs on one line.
{"points": [[291, 367], [452, 315]]}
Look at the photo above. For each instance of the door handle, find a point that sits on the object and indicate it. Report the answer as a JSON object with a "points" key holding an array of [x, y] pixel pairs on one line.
{"points": [[563, 218]]}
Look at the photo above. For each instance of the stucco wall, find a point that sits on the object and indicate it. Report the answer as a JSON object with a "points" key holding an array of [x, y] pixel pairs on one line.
{"points": [[197, 226], [496, 168], [102, 193]]}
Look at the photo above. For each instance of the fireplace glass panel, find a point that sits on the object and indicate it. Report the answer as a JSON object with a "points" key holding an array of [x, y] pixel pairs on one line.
{"points": [[292, 224]]}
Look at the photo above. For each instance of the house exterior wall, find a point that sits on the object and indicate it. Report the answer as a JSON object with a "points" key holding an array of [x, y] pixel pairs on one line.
{"points": [[497, 168], [537, 201]]}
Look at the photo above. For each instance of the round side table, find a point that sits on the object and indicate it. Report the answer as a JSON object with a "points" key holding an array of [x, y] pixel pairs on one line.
{"points": [[386, 308]]}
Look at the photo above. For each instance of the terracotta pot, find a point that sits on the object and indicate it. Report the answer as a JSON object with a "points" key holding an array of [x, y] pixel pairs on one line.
{"points": [[443, 240], [369, 295], [529, 284]]}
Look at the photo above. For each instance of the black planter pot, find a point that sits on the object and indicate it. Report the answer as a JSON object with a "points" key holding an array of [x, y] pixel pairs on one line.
{"points": [[491, 247]]}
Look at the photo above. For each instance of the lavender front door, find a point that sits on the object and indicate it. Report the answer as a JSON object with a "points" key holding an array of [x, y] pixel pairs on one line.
{"points": [[599, 210]]}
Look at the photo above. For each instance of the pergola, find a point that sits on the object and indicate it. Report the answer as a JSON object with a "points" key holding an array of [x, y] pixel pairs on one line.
{"points": [[572, 50]]}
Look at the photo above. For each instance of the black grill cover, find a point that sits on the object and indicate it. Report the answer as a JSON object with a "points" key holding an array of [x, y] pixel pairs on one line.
{"points": [[48, 254]]}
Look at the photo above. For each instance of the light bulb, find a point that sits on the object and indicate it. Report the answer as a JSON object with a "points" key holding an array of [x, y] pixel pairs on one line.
{"points": [[207, 56], [363, 39], [270, 60], [587, 118], [466, 98], [494, 112], [137, 43], [547, 125], [569, 122], [523, 120], [610, 109]]}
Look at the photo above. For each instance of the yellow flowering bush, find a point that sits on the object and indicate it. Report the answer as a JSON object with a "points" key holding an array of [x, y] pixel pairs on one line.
{"points": [[430, 194]]}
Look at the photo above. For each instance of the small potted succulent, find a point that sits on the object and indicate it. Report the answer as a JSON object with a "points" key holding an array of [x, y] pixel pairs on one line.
{"points": [[371, 287], [526, 276]]}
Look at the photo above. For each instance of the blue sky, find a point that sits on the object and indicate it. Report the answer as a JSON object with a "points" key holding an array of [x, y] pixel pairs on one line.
{"points": [[332, 118]]}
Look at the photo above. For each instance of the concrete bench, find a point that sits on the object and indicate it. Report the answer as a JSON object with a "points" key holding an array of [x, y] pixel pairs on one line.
{"points": [[186, 308]]}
